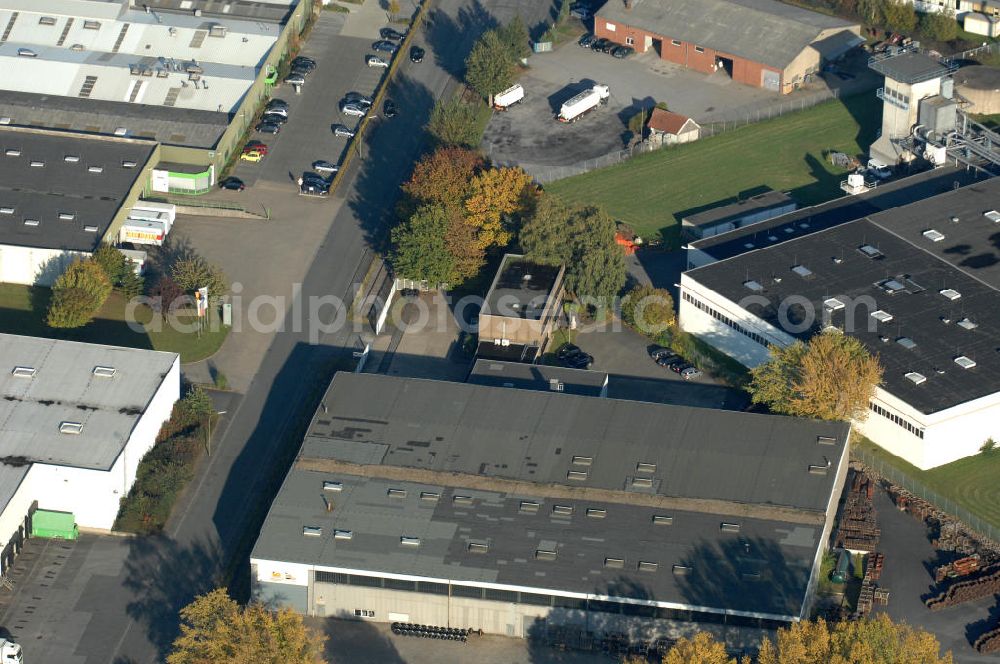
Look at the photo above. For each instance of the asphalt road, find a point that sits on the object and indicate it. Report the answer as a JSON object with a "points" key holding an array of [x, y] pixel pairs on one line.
{"points": [[219, 520]]}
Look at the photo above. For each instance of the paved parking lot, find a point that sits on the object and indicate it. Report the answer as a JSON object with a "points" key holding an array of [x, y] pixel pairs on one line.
{"points": [[529, 133]]}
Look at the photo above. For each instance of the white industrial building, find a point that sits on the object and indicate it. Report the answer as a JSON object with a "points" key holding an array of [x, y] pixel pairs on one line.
{"points": [[514, 511], [61, 195], [114, 51], [75, 420], [918, 285]]}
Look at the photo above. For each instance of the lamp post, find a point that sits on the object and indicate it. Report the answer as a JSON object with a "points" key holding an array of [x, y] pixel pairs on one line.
{"points": [[208, 439]]}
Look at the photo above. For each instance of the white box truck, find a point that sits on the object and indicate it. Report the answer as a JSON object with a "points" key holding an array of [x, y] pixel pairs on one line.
{"points": [[586, 101], [512, 95], [10, 652]]}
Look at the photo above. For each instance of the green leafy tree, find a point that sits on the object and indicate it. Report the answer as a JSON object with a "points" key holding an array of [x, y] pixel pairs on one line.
{"points": [[516, 38], [583, 239], [217, 630], [420, 250], [489, 68], [195, 406], [195, 272], [458, 123], [77, 295], [649, 310], [833, 377], [899, 16], [119, 270], [939, 26], [564, 9]]}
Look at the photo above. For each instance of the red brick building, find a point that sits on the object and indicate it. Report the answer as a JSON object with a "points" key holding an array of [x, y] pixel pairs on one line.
{"points": [[763, 43]]}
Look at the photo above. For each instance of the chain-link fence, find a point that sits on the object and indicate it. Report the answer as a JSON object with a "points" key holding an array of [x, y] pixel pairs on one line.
{"points": [[917, 488], [741, 117]]}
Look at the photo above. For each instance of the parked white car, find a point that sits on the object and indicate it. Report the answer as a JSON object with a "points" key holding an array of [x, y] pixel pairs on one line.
{"points": [[375, 61]]}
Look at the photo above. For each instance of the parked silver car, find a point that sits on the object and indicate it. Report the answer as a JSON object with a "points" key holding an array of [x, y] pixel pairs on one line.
{"points": [[354, 110], [340, 131], [375, 61]]}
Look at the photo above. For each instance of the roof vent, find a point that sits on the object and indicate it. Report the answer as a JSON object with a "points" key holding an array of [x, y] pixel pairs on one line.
{"points": [[556, 385], [802, 271], [933, 235], [478, 547], [31, 222], [882, 316], [826, 440], [647, 566], [105, 372], [950, 293], [71, 158], [332, 486], [90, 229], [992, 215], [13, 152], [343, 534], [396, 493], [945, 319], [67, 216], [681, 570], [578, 475], [596, 512], [892, 286], [662, 520], [121, 131], [95, 169], [614, 563], [870, 251], [562, 510], [907, 343], [24, 372], [5, 120], [409, 541], [429, 496], [645, 467], [833, 304], [915, 378], [582, 460], [528, 507], [753, 285], [817, 469], [967, 324], [37, 164], [461, 500], [128, 164], [6, 210], [965, 362], [544, 554], [837, 260], [954, 220], [642, 483], [729, 527], [312, 531]]}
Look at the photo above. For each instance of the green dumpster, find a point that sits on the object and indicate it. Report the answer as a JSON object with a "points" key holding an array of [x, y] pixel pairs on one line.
{"points": [[843, 564], [46, 523]]}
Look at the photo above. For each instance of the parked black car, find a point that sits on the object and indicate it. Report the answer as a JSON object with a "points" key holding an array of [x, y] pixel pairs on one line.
{"points": [[385, 46], [358, 99], [572, 356], [303, 62], [274, 118], [233, 184], [417, 54], [622, 51], [599, 44], [268, 128], [389, 33], [586, 40]]}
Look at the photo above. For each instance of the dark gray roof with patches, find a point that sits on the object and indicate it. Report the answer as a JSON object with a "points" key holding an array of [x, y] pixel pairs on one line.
{"points": [[538, 377], [764, 31]]}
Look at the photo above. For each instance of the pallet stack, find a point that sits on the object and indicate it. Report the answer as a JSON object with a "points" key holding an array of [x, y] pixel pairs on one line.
{"points": [[873, 567], [957, 569], [858, 528], [983, 584]]}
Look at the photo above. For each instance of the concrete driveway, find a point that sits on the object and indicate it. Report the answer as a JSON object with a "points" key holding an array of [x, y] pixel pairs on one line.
{"points": [[529, 133]]}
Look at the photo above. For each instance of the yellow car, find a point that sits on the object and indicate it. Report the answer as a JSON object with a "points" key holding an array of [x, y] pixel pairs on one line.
{"points": [[252, 155]]}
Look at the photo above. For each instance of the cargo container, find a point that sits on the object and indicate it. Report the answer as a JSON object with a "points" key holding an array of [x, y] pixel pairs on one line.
{"points": [[48, 523]]}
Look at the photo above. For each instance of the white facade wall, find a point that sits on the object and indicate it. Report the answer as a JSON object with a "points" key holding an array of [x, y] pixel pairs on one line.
{"points": [[32, 266], [934, 6], [948, 435]]}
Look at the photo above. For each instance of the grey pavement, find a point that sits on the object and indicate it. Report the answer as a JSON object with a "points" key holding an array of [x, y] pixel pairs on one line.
{"points": [[909, 559], [428, 345]]}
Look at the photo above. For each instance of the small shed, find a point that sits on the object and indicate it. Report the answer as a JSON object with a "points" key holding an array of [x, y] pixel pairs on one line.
{"points": [[666, 128], [981, 24]]}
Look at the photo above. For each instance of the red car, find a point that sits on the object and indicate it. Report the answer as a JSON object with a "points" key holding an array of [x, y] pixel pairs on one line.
{"points": [[256, 145]]}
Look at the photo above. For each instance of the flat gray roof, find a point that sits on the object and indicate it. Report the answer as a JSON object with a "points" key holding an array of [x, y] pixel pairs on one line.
{"points": [[65, 389], [910, 67], [170, 126], [53, 179], [723, 213], [764, 568], [497, 373], [765, 31], [521, 288]]}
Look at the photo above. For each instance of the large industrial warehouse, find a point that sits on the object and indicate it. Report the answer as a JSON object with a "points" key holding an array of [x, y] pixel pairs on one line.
{"points": [[75, 420], [507, 510], [918, 285], [763, 43]]}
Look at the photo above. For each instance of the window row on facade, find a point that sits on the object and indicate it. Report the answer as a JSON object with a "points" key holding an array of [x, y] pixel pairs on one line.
{"points": [[721, 317], [897, 420]]}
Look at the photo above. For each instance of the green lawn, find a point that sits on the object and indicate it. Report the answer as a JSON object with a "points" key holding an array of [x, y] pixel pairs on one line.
{"points": [[652, 192], [22, 311], [971, 482]]}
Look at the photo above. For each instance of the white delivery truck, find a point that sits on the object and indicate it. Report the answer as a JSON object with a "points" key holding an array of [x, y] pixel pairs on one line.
{"points": [[512, 95], [140, 231], [586, 101], [10, 652]]}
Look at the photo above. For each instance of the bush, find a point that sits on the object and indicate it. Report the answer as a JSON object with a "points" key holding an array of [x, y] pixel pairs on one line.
{"points": [[194, 273], [458, 123], [648, 310], [119, 270], [989, 446], [164, 293], [939, 27], [77, 295]]}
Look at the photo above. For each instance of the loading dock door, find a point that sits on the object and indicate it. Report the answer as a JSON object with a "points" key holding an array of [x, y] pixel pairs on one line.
{"points": [[770, 80], [647, 43]]}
